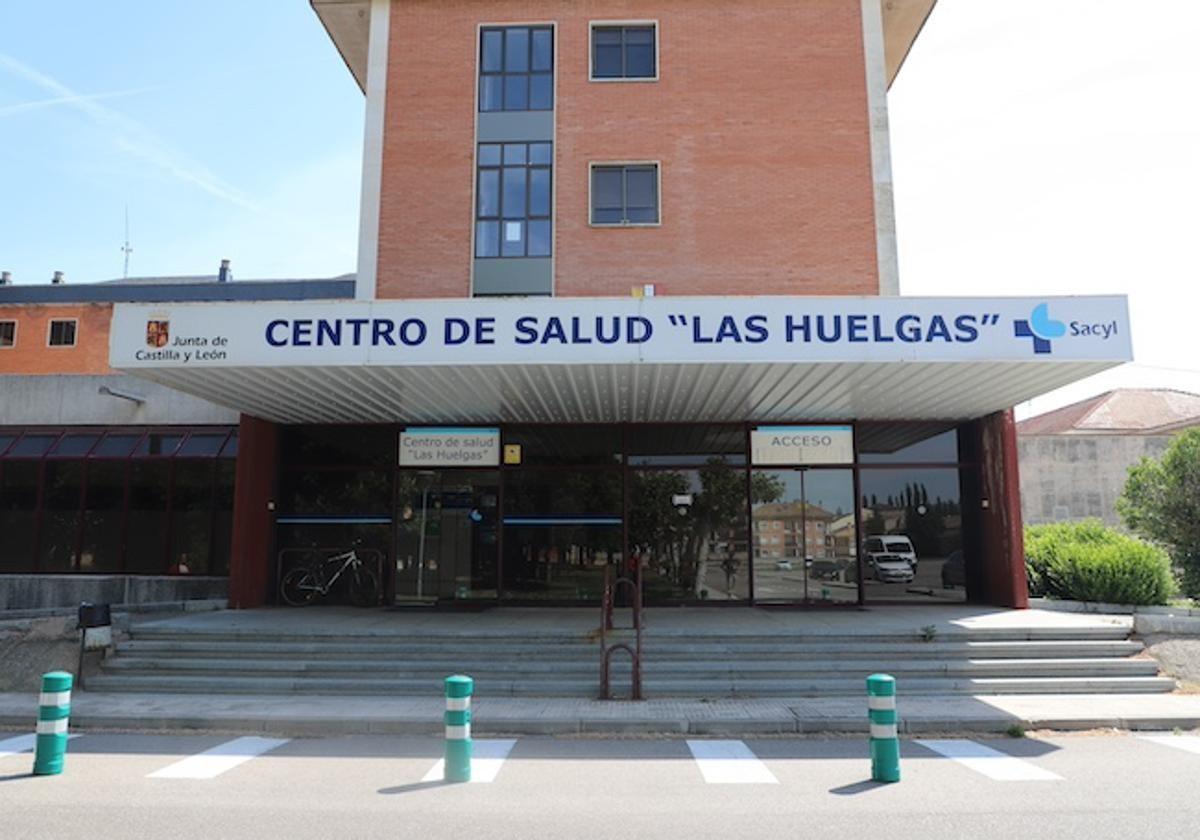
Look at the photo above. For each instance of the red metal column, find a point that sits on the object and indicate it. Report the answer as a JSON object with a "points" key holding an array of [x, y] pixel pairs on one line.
{"points": [[253, 520], [1002, 542]]}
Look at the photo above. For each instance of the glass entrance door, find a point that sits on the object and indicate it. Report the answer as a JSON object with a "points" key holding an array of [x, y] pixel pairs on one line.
{"points": [[447, 534], [805, 538]]}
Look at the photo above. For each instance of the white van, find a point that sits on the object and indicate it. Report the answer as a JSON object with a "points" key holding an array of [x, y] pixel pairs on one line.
{"points": [[894, 545]]}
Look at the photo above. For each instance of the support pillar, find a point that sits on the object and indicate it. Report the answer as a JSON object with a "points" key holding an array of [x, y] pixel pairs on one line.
{"points": [[999, 540], [251, 557]]}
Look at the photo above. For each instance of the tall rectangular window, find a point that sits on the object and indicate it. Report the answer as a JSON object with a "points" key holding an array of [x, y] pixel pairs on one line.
{"points": [[8, 333], [624, 51], [62, 333], [512, 202], [516, 68], [625, 194]]}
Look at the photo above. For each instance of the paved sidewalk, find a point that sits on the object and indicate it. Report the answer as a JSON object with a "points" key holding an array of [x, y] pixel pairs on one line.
{"points": [[329, 715]]}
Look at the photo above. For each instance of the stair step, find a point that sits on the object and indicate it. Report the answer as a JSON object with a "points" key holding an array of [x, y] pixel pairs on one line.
{"points": [[653, 687], [369, 669], [570, 651]]}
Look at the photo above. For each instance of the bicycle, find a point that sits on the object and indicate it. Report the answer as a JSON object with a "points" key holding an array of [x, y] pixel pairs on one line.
{"points": [[302, 585]]}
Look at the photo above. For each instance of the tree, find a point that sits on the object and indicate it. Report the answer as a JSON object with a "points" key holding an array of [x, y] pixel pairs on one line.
{"points": [[1161, 502]]}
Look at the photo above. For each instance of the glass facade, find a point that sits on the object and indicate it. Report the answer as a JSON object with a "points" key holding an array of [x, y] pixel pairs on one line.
{"points": [[137, 501], [683, 502]]}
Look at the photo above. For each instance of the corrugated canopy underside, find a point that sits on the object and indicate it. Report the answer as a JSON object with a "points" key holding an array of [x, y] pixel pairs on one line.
{"points": [[565, 393]]}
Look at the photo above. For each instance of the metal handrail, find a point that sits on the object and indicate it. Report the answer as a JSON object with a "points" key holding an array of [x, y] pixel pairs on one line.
{"points": [[606, 624]]}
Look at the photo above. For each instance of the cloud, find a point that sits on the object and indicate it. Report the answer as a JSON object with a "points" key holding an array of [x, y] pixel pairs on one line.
{"points": [[38, 104], [131, 136]]}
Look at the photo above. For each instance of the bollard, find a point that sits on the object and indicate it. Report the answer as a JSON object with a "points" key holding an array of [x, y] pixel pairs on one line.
{"points": [[458, 728], [54, 707], [885, 744]]}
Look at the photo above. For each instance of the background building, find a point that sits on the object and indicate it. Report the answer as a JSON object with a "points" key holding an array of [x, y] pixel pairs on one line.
{"points": [[1074, 461]]}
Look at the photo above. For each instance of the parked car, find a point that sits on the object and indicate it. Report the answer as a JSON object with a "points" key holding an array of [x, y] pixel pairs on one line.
{"points": [[954, 570], [891, 544], [892, 568], [784, 564]]}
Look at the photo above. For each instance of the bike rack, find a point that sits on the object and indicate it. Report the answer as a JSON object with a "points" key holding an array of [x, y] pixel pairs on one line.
{"points": [[606, 624], [367, 555]]}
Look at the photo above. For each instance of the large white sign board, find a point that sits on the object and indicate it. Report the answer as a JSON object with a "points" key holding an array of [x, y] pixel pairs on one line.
{"points": [[661, 330], [801, 445]]}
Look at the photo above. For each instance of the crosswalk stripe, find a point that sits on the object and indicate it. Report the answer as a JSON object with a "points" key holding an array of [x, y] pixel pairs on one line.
{"points": [[221, 758], [487, 757], [20, 744], [1188, 743], [730, 763], [991, 763]]}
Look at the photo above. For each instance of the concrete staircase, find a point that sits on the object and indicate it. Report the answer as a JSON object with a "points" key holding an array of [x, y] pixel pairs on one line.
{"points": [[1091, 660]]}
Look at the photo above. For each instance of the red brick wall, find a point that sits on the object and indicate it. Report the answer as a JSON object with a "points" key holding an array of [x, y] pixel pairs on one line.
{"points": [[759, 119], [31, 355]]}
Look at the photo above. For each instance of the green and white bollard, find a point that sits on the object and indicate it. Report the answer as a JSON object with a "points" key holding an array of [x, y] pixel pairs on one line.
{"points": [[458, 728], [54, 708], [885, 743]]}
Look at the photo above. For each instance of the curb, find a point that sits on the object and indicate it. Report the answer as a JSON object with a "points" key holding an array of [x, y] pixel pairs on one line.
{"points": [[679, 727]]}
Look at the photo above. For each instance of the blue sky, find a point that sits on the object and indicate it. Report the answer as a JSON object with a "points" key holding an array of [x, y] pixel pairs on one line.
{"points": [[229, 128], [1039, 147]]}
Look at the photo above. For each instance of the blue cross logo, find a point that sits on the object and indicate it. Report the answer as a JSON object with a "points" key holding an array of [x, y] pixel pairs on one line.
{"points": [[1040, 327]]}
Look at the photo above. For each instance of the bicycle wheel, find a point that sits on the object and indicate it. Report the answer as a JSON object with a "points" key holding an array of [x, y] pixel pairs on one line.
{"points": [[299, 587], [364, 588]]}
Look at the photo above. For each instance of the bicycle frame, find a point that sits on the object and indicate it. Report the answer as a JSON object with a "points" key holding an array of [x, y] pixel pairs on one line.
{"points": [[347, 559]]}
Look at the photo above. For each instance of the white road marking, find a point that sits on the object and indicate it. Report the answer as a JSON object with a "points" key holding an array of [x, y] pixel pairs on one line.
{"points": [[487, 757], [20, 744], [991, 763], [1187, 743], [730, 763], [212, 763]]}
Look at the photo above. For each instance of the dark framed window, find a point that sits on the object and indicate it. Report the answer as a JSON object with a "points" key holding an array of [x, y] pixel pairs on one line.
{"points": [[516, 68], [8, 333], [625, 194], [62, 333], [113, 500], [512, 200], [624, 52]]}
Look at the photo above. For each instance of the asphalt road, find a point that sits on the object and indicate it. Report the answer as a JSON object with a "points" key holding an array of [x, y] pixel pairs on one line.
{"points": [[1079, 786]]}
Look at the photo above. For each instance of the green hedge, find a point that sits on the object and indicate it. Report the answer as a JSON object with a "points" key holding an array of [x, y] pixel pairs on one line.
{"points": [[1086, 561]]}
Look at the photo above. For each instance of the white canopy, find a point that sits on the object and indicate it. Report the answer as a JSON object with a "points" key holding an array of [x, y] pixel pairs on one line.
{"points": [[621, 359]]}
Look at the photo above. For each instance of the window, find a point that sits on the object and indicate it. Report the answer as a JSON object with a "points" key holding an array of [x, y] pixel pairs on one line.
{"points": [[8, 333], [62, 333], [516, 69], [624, 52], [512, 202], [625, 195]]}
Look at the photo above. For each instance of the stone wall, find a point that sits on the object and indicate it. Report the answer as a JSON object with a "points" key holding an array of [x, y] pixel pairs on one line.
{"points": [[1071, 477]]}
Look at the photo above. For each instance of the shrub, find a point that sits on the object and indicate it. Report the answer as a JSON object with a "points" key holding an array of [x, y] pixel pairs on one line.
{"points": [[1087, 561]]}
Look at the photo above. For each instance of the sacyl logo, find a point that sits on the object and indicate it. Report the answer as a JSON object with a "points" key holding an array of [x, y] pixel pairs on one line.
{"points": [[1040, 327]]}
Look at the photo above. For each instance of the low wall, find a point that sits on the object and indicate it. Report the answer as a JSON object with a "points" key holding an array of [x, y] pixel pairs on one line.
{"points": [[38, 592]]}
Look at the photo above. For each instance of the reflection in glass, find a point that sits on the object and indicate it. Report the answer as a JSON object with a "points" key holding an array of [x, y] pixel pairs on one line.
{"points": [[447, 529], [561, 527], [804, 536], [912, 443], [191, 518], [61, 515], [915, 516], [103, 518], [147, 529], [688, 530], [18, 514]]}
